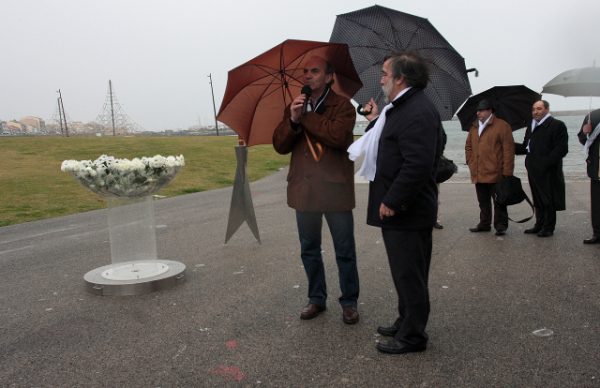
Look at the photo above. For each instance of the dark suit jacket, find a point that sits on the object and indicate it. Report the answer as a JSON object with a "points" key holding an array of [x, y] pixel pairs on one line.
{"points": [[409, 148], [548, 145], [594, 151]]}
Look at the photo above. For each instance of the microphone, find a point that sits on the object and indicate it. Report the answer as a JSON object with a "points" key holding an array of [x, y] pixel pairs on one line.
{"points": [[307, 91]]}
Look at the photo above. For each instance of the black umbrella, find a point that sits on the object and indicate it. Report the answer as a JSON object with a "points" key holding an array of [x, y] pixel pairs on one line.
{"points": [[511, 103], [374, 32]]}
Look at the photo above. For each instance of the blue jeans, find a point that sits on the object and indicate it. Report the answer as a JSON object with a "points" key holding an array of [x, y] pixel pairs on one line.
{"points": [[341, 226]]}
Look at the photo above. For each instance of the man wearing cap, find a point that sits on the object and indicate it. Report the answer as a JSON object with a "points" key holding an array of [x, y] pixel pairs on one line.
{"points": [[490, 154], [546, 143]]}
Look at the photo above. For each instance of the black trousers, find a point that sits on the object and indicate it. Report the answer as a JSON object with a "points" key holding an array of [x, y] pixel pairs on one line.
{"points": [[484, 198], [545, 213], [409, 256], [595, 206]]}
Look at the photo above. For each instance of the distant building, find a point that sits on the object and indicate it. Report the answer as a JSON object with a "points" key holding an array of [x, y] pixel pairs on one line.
{"points": [[33, 124], [14, 127]]}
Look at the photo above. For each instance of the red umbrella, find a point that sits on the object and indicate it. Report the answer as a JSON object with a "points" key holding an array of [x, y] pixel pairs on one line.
{"points": [[258, 91]]}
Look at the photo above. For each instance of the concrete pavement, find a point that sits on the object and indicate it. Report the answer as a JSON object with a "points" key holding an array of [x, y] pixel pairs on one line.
{"points": [[234, 321]]}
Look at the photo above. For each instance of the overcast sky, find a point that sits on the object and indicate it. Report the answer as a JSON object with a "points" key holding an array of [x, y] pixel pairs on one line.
{"points": [[158, 54]]}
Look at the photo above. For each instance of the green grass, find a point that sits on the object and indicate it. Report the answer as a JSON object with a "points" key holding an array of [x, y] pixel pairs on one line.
{"points": [[32, 186]]}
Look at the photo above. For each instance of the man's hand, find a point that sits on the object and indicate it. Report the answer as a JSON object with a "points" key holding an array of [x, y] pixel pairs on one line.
{"points": [[371, 109], [385, 211], [296, 108], [587, 128]]}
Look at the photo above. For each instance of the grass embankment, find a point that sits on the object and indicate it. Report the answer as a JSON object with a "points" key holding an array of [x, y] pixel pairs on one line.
{"points": [[32, 186]]}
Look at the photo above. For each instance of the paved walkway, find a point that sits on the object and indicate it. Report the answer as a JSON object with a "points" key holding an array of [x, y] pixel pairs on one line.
{"points": [[234, 321]]}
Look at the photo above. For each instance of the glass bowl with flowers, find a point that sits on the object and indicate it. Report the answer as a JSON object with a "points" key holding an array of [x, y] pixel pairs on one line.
{"points": [[135, 178]]}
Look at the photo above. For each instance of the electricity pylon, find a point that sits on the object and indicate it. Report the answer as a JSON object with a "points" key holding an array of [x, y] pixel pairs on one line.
{"points": [[114, 117]]}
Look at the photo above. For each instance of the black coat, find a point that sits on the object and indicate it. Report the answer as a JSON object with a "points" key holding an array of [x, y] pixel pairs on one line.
{"points": [[592, 160], [409, 148], [548, 145]]}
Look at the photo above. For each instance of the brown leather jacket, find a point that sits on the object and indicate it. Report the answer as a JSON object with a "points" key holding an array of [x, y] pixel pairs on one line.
{"points": [[491, 155], [326, 185]]}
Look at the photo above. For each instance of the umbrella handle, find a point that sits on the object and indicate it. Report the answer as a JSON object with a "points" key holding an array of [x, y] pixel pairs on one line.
{"points": [[318, 153], [360, 111], [475, 70]]}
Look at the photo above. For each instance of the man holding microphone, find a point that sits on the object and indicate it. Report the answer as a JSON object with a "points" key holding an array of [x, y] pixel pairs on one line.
{"points": [[317, 129]]}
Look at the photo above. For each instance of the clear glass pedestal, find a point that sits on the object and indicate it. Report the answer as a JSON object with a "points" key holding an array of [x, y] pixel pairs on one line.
{"points": [[132, 229], [135, 268]]}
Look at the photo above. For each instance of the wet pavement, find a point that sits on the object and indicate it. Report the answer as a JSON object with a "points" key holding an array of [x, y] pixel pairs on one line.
{"points": [[509, 311]]}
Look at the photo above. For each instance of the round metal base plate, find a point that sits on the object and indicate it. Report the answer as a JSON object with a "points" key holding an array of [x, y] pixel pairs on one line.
{"points": [[134, 277]]}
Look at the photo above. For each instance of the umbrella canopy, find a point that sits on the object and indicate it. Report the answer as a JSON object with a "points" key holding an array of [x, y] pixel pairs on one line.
{"points": [[511, 103], [584, 82], [374, 32], [258, 91]]}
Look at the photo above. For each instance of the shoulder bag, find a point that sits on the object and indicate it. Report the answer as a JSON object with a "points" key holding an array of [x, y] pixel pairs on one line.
{"points": [[510, 192]]}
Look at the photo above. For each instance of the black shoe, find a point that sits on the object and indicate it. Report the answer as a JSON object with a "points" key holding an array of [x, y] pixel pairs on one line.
{"points": [[387, 331], [593, 240], [438, 226], [480, 229], [394, 347], [534, 230], [500, 232], [545, 233]]}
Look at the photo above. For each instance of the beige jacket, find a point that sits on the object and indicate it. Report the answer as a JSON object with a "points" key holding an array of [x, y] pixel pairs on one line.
{"points": [[491, 155]]}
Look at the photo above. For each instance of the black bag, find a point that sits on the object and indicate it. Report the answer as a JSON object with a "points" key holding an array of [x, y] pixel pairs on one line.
{"points": [[510, 192], [445, 169]]}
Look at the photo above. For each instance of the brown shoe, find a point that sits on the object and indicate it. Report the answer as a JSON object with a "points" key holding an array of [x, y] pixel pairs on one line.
{"points": [[350, 315], [311, 310]]}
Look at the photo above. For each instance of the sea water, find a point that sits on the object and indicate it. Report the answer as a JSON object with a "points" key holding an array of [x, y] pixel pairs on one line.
{"points": [[574, 166]]}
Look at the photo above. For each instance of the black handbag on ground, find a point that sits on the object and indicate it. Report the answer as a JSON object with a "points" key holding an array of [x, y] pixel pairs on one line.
{"points": [[510, 192], [446, 168]]}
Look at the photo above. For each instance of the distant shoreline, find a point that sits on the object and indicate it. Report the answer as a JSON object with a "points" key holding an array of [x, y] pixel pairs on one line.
{"points": [[359, 127], [580, 112], [559, 113]]}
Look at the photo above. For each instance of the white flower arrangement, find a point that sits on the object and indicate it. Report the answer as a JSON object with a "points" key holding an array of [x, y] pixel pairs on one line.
{"points": [[123, 177]]}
